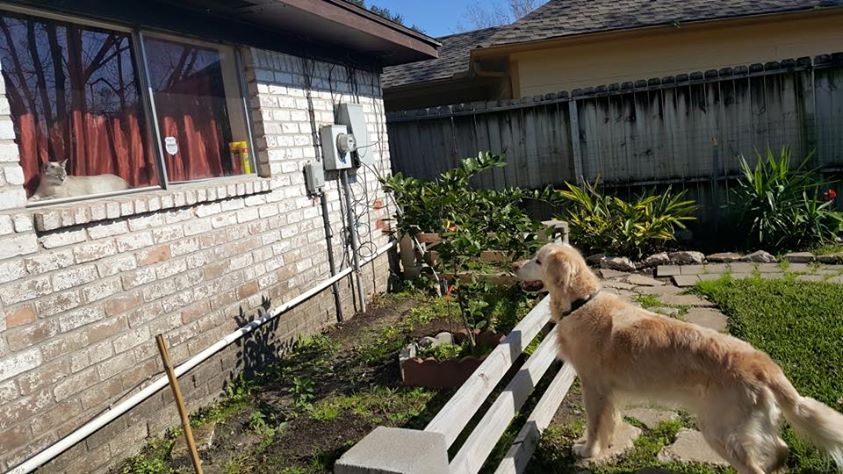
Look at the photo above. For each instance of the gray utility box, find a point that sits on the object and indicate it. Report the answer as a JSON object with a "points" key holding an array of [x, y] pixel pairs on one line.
{"points": [[337, 144], [352, 115]]}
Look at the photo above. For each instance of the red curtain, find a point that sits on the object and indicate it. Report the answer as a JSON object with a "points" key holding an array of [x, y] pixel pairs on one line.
{"points": [[193, 111], [98, 145], [73, 95]]}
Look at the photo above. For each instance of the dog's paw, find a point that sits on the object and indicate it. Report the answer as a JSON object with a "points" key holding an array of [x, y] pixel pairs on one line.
{"points": [[585, 450]]}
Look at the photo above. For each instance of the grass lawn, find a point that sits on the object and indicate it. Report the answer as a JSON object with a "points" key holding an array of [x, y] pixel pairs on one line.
{"points": [[800, 324]]}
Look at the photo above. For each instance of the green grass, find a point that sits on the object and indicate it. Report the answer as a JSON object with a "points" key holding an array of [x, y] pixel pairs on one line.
{"points": [[554, 455], [800, 325], [377, 405], [653, 303], [829, 249], [649, 301]]}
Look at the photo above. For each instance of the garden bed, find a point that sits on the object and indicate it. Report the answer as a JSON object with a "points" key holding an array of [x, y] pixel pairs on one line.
{"points": [[300, 414]]}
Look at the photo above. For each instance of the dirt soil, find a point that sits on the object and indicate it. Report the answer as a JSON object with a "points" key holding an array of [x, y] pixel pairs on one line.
{"points": [[299, 442]]}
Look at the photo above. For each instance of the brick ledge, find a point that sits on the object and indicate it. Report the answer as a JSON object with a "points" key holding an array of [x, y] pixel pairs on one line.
{"points": [[56, 216]]}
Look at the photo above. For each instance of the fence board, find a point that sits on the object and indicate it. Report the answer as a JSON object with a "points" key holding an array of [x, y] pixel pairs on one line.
{"points": [[682, 130]]}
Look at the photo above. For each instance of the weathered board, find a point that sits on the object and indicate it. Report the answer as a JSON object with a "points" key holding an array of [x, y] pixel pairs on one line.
{"points": [[686, 131]]}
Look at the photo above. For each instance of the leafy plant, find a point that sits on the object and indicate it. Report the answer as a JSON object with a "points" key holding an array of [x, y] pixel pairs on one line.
{"points": [[600, 222], [781, 206], [479, 218], [303, 391], [469, 220]]}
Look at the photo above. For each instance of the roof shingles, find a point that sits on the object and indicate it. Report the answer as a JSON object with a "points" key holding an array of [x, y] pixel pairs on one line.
{"points": [[560, 18], [453, 60]]}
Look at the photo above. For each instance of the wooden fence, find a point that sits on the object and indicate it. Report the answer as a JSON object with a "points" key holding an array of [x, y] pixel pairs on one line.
{"points": [[685, 130]]}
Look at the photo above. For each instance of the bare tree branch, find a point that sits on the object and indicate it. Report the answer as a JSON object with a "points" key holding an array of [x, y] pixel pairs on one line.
{"points": [[486, 14]]}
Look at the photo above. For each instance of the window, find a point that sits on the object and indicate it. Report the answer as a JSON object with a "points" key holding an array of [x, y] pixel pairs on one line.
{"points": [[80, 111], [193, 87]]}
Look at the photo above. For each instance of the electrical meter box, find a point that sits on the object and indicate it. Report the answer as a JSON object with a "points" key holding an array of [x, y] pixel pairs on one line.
{"points": [[314, 177], [337, 145], [352, 116]]}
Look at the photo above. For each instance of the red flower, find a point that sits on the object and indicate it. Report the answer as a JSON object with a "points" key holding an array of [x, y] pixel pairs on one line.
{"points": [[830, 195]]}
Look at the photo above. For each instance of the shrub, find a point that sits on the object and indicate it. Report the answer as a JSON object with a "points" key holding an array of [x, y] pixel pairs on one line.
{"points": [[781, 206], [604, 223], [477, 219], [470, 220]]}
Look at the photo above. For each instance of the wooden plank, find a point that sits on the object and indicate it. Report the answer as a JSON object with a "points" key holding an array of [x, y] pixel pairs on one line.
{"points": [[518, 456], [480, 443], [668, 100], [574, 124], [453, 417]]}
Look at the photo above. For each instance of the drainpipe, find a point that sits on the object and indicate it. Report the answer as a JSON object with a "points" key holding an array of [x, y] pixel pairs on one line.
{"points": [[355, 243], [329, 234], [121, 408]]}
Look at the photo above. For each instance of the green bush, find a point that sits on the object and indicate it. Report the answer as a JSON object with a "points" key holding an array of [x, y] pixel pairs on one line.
{"points": [[781, 206], [605, 223], [471, 219]]}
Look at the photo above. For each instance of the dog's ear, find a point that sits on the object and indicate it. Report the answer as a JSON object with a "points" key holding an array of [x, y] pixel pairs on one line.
{"points": [[560, 269]]}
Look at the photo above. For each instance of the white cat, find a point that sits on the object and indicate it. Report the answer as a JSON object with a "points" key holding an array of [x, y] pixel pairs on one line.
{"points": [[55, 183]]}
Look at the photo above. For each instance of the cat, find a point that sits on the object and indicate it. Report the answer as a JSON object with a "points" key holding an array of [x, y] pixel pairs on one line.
{"points": [[55, 183]]}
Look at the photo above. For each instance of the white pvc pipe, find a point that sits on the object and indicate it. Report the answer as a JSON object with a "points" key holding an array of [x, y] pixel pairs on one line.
{"points": [[112, 413]]}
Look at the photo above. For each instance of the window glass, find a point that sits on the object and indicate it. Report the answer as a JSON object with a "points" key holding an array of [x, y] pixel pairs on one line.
{"points": [[199, 110], [76, 108]]}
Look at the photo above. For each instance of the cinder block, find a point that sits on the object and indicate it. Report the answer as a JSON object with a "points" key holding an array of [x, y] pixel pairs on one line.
{"points": [[396, 451]]}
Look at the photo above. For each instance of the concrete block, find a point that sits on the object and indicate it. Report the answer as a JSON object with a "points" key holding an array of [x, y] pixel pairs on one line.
{"points": [[396, 451], [668, 270]]}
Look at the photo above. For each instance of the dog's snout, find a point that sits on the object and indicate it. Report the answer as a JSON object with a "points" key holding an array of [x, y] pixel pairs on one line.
{"points": [[517, 265]]}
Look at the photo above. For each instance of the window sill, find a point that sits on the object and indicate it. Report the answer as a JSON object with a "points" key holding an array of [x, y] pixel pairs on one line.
{"points": [[56, 216]]}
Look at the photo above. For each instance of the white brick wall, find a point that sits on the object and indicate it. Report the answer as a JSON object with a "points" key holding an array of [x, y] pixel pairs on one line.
{"points": [[84, 288]]}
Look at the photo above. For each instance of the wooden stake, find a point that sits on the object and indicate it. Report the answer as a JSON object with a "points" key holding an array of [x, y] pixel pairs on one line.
{"points": [[185, 420]]}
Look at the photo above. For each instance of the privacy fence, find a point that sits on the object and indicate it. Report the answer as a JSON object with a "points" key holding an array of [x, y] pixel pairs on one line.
{"points": [[684, 130]]}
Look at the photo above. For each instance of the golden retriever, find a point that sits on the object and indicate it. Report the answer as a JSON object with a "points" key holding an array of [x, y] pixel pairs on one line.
{"points": [[621, 352]]}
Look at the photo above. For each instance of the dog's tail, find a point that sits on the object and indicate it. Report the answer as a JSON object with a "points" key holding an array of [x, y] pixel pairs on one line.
{"points": [[811, 419]]}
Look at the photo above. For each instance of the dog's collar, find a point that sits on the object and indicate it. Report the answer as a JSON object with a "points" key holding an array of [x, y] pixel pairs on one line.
{"points": [[577, 304]]}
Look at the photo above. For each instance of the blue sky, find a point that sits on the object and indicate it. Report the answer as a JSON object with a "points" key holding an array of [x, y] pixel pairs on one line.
{"points": [[435, 17]]}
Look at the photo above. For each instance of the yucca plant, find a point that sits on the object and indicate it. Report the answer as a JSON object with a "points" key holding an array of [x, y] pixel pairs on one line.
{"points": [[780, 205], [605, 223]]}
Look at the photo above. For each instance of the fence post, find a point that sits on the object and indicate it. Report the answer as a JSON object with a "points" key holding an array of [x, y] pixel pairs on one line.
{"points": [[574, 122]]}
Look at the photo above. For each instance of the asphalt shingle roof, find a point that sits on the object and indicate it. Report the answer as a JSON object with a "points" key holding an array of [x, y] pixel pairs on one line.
{"points": [[560, 18], [453, 59]]}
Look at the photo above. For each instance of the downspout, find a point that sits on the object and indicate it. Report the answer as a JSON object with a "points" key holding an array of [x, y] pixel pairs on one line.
{"points": [[329, 234], [121, 408]]}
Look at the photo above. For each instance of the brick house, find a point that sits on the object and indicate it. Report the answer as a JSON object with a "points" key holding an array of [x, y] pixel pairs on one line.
{"points": [[207, 112]]}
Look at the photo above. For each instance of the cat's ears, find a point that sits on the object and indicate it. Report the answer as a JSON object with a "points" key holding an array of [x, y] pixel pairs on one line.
{"points": [[63, 163]]}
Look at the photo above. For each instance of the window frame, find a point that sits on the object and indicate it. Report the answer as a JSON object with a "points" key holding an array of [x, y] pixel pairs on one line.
{"points": [[152, 130]]}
